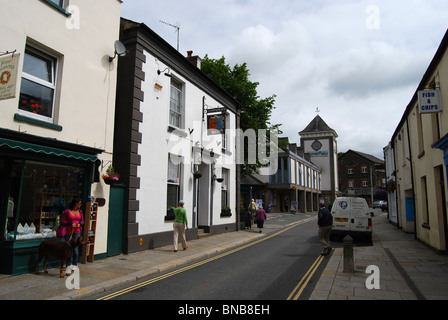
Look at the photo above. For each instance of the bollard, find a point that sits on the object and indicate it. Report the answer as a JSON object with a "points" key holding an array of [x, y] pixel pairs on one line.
{"points": [[349, 264]]}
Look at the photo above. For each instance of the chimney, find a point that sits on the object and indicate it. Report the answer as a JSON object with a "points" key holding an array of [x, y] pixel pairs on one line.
{"points": [[195, 60]]}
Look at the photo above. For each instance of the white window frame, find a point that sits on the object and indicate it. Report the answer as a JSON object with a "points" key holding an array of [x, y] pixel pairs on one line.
{"points": [[60, 3], [173, 162], [180, 89], [50, 85]]}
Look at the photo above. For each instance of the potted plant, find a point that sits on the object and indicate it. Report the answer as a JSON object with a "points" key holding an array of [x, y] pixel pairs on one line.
{"points": [[111, 176], [225, 212]]}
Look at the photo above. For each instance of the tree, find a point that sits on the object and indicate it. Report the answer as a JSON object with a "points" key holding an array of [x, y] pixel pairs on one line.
{"points": [[255, 111]]}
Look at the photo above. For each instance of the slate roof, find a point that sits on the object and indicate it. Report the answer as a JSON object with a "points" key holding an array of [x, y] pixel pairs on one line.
{"points": [[318, 125]]}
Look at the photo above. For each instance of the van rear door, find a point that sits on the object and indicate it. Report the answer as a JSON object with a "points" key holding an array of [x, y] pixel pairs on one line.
{"points": [[341, 214], [360, 215]]}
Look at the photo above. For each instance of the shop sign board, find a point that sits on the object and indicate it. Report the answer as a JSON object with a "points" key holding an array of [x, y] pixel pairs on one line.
{"points": [[429, 101], [8, 76]]}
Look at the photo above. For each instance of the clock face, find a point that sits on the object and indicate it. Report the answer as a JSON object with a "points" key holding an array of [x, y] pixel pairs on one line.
{"points": [[316, 145]]}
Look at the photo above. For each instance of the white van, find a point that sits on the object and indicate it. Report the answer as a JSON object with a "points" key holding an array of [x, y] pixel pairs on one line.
{"points": [[351, 216]]}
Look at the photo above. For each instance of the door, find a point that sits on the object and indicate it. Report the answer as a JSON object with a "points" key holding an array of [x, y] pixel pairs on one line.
{"points": [[360, 215], [341, 214], [116, 220]]}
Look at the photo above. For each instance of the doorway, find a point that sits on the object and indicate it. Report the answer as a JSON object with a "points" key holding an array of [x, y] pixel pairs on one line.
{"points": [[115, 230]]}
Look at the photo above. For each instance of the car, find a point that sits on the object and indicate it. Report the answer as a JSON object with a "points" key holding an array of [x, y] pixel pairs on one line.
{"points": [[384, 206], [378, 204]]}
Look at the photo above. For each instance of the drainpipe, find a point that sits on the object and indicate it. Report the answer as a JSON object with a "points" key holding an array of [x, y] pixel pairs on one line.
{"points": [[412, 179]]}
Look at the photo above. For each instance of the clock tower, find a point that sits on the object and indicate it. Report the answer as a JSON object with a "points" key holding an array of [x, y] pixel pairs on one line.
{"points": [[319, 141]]}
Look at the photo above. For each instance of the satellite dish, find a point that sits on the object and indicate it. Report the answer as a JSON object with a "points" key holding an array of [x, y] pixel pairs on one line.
{"points": [[120, 50]]}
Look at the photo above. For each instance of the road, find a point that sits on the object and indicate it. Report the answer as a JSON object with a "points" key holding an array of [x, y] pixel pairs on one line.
{"points": [[285, 265]]}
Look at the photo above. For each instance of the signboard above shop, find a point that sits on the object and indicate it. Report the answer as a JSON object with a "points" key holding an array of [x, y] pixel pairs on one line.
{"points": [[429, 101], [8, 76]]}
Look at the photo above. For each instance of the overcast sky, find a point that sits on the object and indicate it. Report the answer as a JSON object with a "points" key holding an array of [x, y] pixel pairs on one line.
{"points": [[358, 61]]}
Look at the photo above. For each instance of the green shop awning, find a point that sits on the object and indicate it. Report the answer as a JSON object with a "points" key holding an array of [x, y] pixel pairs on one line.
{"points": [[29, 147]]}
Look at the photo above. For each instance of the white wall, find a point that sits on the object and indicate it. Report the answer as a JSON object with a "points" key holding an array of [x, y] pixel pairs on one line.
{"points": [[157, 143], [86, 80]]}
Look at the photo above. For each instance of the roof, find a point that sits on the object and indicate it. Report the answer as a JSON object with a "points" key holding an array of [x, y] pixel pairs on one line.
{"points": [[318, 125], [366, 156], [422, 85]]}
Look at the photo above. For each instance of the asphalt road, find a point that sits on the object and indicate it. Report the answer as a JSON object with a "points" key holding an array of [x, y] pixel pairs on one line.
{"points": [[286, 265]]}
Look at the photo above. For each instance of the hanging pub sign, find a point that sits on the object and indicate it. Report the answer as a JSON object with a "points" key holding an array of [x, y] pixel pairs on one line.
{"points": [[8, 76], [216, 124], [429, 101]]}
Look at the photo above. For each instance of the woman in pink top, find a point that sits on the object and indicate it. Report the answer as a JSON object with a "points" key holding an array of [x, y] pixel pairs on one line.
{"points": [[73, 219], [260, 217]]}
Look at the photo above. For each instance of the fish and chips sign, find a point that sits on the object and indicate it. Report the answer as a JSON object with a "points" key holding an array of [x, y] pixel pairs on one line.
{"points": [[8, 76], [429, 101]]}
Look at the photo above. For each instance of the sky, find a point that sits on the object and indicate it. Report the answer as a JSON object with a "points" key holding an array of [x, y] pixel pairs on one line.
{"points": [[359, 62]]}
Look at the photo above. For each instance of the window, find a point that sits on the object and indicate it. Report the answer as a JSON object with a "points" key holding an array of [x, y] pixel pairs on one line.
{"points": [[225, 188], [39, 193], [59, 3], [351, 183], [174, 174], [350, 170], [176, 108], [365, 183], [364, 169], [38, 85]]}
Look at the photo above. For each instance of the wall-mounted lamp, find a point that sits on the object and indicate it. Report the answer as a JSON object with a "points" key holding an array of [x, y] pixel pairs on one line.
{"points": [[214, 178], [120, 50], [165, 73]]}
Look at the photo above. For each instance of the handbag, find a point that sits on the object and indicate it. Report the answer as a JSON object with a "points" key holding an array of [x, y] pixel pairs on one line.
{"points": [[61, 232]]}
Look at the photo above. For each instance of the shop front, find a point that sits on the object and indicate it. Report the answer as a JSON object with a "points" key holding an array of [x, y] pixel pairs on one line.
{"points": [[38, 179]]}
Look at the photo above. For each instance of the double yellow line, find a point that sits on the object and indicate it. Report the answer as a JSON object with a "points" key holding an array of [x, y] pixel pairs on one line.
{"points": [[295, 294], [167, 275]]}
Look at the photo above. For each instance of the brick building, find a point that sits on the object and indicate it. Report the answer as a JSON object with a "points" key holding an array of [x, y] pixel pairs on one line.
{"points": [[361, 175]]}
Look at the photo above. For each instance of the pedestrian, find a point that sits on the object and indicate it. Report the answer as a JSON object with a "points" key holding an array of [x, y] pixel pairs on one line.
{"points": [[179, 225], [269, 207], [260, 217], [73, 220], [252, 209], [325, 223]]}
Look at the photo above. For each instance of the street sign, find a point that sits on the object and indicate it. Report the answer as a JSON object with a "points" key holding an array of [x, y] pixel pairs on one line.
{"points": [[429, 101]]}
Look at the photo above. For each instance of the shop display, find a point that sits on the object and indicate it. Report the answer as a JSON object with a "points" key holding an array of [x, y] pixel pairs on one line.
{"points": [[46, 193], [88, 249]]}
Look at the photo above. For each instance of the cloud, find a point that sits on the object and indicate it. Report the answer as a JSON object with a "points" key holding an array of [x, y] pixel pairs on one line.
{"points": [[315, 53]]}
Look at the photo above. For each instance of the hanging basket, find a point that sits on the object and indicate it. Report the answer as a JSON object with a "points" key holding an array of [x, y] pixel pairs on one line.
{"points": [[110, 181]]}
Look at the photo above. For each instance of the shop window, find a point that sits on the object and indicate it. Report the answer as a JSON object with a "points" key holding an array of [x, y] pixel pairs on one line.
{"points": [[38, 86], [38, 195]]}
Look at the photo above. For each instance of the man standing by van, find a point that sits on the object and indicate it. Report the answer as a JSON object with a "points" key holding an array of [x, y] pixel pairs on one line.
{"points": [[325, 223]]}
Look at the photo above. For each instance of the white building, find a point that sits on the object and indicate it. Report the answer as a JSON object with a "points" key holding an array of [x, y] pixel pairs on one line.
{"points": [[57, 101], [164, 150], [319, 141]]}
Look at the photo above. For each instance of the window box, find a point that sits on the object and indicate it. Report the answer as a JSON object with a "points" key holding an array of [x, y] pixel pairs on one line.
{"points": [[226, 212], [170, 216]]}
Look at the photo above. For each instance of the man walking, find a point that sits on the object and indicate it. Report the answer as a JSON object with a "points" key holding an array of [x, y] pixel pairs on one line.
{"points": [[325, 223]]}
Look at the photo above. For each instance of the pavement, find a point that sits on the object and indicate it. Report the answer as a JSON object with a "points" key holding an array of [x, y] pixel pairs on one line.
{"points": [[408, 269]]}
